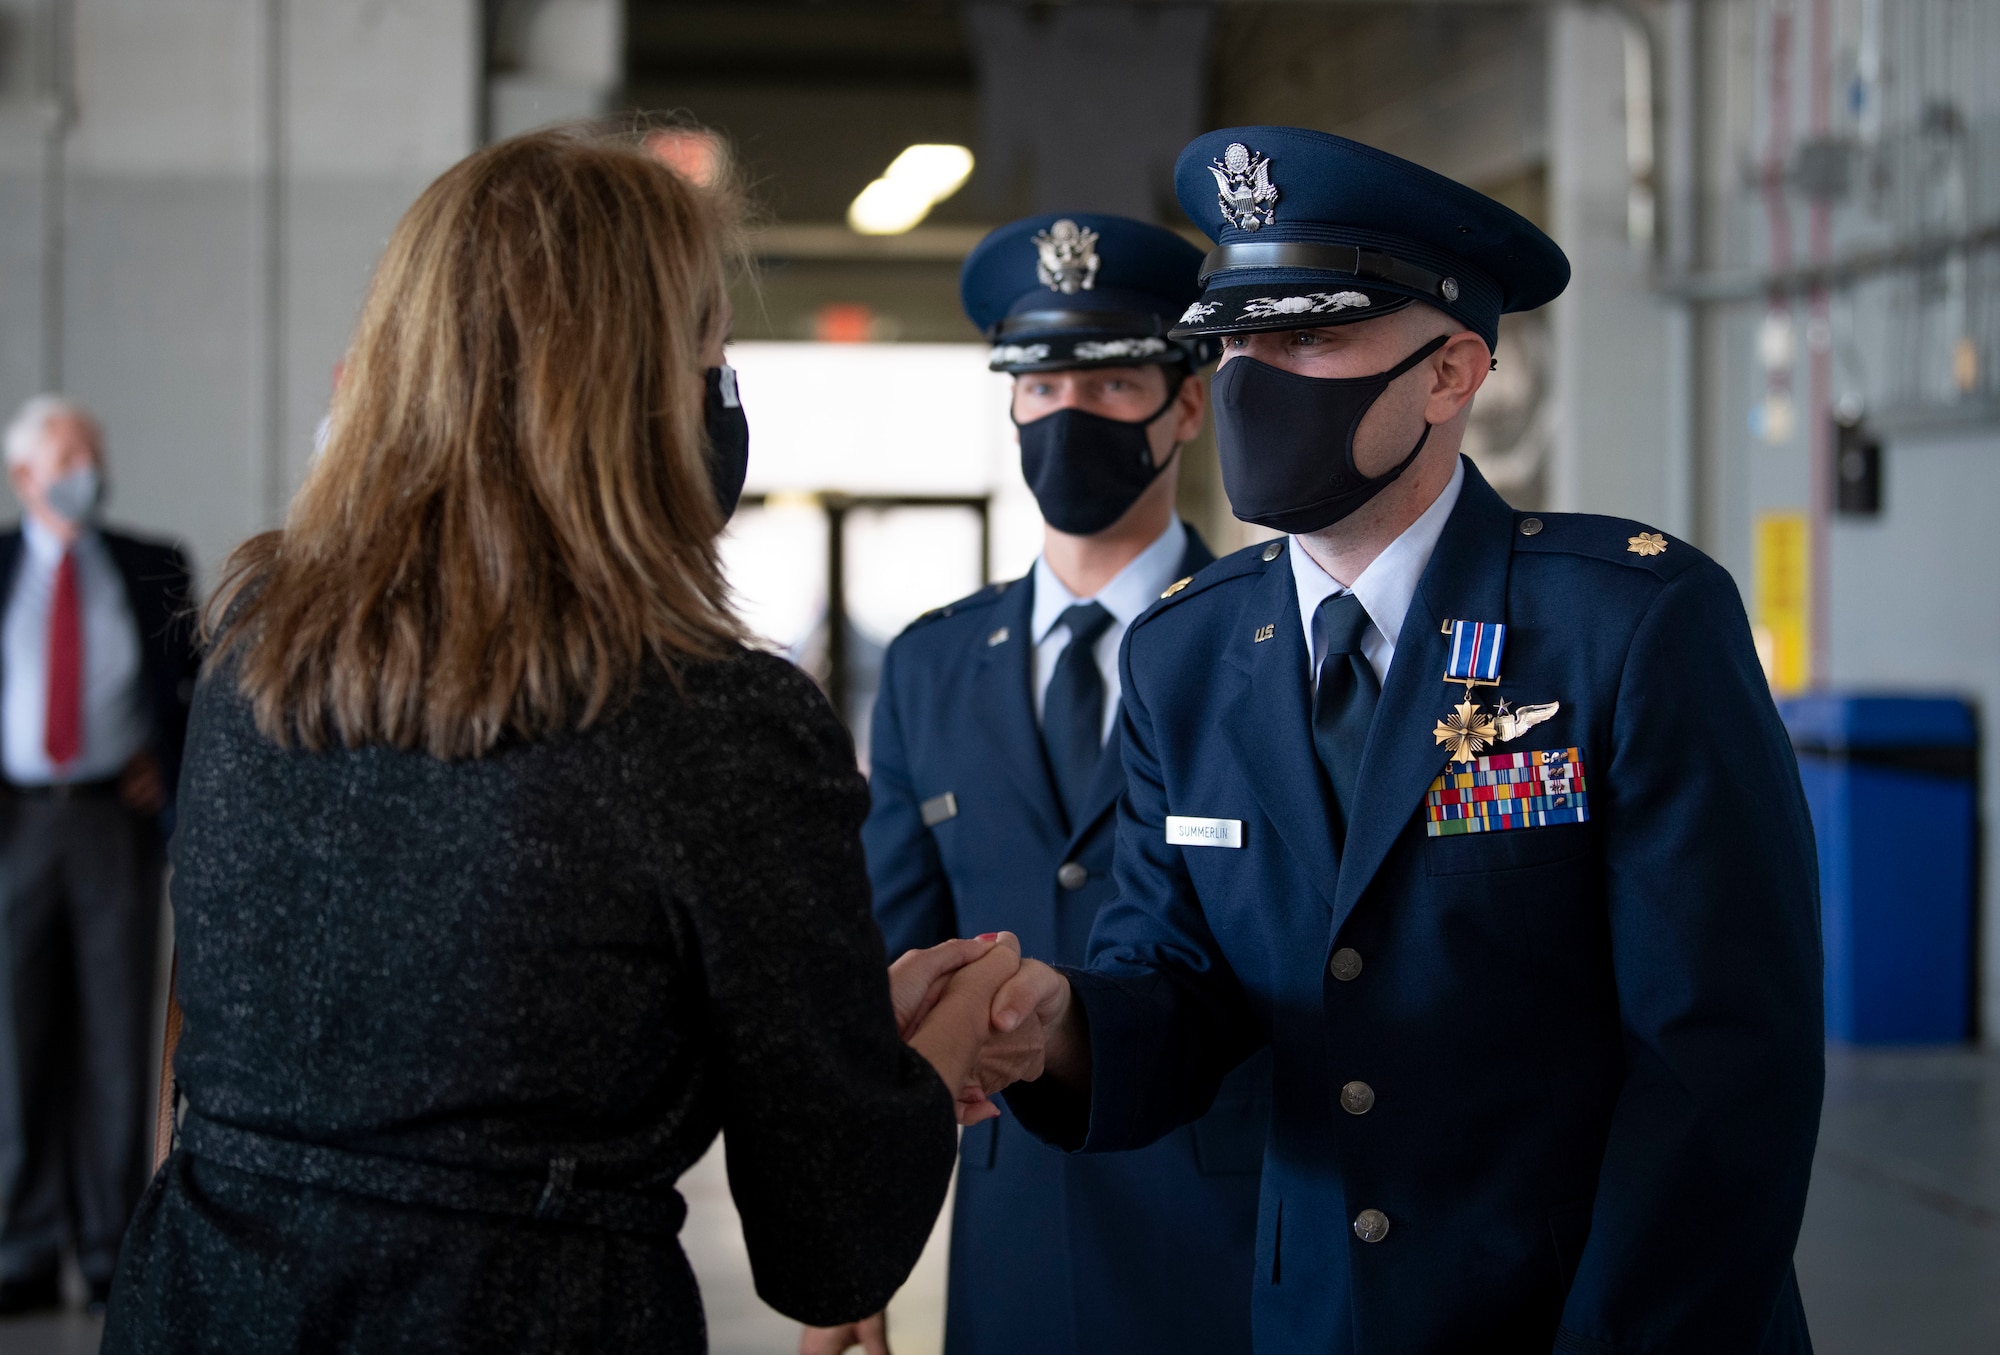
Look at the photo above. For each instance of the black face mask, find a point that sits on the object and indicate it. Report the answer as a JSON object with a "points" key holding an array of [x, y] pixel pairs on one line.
{"points": [[728, 440], [1085, 469], [1287, 441]]}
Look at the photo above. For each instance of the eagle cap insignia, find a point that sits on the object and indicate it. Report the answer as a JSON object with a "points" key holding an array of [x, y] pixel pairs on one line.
{"points": [[1248, 198], [1066, 257]]}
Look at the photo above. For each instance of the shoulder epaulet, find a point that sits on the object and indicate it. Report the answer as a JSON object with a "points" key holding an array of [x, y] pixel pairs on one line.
{"points": [[1249, 561], [985, 597], [1613, 540]]}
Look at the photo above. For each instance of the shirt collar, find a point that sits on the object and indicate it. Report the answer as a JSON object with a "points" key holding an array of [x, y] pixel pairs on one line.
{"points": [[1390, 581], [42, 544], [1131, 590]]}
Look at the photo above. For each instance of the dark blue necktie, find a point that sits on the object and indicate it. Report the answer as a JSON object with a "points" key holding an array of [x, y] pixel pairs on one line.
{"points": [[1073, 708], [1344, 705]]}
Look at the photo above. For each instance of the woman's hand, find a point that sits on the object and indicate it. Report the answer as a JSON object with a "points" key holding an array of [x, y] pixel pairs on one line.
{"points": [[917, 979], [953, 1033]]}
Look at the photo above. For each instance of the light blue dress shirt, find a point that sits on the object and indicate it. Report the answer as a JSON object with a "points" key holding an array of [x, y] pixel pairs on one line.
{"points": [[1132, 590], [115, 723], [1385, 587]]}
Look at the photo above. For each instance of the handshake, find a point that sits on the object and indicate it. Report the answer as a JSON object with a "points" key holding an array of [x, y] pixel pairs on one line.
{"points": [[985, 1018]]}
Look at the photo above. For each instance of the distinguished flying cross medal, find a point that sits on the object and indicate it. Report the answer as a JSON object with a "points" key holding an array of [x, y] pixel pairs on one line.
{"points": [[1066, 257], [1474, 659], [1248, 198]]}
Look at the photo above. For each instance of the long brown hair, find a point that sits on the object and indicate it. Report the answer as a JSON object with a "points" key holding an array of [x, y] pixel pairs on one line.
{"points": [[513, 510]]}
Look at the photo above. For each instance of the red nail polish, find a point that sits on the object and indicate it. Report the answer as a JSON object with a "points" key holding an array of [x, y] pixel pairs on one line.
{"points": [[987, 936]]}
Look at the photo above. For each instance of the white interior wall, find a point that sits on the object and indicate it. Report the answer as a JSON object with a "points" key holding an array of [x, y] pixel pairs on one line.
{"points": [[1905, 613], [1911, 612]]}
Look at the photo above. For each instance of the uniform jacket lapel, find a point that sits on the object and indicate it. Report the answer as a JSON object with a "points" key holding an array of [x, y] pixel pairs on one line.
{"points": [[1109, 782], [1465, 580], [1268, 722], [1004, 708]]}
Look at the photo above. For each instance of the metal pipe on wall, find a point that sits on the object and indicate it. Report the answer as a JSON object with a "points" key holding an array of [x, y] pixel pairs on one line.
{"points": [[58, 117]]}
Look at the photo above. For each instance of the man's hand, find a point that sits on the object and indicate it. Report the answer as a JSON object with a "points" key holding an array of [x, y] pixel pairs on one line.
{"points": [[141, 786], [1039, 1030], [870, 1333]]}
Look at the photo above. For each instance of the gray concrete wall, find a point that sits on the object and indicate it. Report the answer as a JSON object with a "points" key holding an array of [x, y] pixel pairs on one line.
{"points": [[166, 305]]}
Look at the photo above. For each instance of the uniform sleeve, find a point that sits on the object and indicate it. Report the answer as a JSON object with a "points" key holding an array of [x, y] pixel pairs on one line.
{"points": [[1167, 1017], [840, 1139], [1713, 908], [913, 900]]}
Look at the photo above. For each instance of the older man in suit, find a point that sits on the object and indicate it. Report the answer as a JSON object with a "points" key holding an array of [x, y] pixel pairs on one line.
{"points": [[97, 665]]}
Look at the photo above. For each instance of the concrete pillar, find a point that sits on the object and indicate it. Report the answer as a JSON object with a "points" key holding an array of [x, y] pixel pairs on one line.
{"points": [[1618, 441]]}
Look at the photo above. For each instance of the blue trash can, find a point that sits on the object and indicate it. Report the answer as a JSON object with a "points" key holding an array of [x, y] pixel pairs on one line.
{"points": [[1890, 783]]}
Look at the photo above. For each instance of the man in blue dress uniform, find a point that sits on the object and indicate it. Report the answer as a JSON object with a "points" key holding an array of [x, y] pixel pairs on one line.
{"points": [[1481, 820], [995, 790]]}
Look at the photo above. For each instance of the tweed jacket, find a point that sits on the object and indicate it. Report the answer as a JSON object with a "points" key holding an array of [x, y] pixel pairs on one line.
{"points": [[454, 1029]]}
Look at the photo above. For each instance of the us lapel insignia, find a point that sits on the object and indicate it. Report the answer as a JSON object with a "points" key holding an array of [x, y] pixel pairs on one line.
{"points": [[1474, 659], [1263, 633]]}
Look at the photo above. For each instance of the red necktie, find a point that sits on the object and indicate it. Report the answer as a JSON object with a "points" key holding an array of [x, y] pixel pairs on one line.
{"points": [[63, 734]]}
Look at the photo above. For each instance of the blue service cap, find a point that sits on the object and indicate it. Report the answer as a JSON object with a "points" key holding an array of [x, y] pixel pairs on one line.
{"points": [[1079, 289], [1312, 229]]}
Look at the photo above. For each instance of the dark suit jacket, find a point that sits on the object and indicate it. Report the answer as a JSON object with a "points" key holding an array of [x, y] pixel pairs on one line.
{"points": [[454, 1029], [1141, 1252], [1594, 1048], [159, 587]]}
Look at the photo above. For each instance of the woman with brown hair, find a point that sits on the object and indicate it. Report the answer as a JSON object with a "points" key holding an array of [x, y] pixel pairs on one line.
{"points": [[507, 875]]}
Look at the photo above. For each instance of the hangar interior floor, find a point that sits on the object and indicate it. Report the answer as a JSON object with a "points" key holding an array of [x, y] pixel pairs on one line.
{"points": [[1900, 1251]]}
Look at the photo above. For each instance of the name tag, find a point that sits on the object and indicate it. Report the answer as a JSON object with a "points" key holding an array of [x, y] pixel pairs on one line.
{"points": [[1187, 832], [938, 808]]}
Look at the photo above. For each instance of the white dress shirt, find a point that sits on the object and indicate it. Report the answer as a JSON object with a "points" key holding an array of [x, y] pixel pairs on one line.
{"points": [[1132, 590], [113, 710], [1385, 587]]}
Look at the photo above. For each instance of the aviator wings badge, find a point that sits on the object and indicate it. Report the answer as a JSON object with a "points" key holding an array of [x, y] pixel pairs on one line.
{"points": [[1249, 200], [1067, 259], [1474, 659]]}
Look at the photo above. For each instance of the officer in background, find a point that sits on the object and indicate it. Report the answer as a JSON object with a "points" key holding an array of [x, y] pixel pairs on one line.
{"points": [[994, 793], [1482, 820]]}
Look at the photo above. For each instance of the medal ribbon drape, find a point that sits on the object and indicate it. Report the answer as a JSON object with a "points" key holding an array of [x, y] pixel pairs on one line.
{"points": [[1344, 704], [62, 732], [1476, 647], [1073, 709]]}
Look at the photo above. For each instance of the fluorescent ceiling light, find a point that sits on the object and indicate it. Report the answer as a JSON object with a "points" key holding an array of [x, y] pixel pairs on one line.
{"points": [[916, 181]]}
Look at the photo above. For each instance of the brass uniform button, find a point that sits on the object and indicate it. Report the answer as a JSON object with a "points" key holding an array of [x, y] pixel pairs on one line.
{"points": [[1371, 1225], [1072, 874], [1345, 964], [1271, 551], [1531, 526], [1357, 1098]]}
